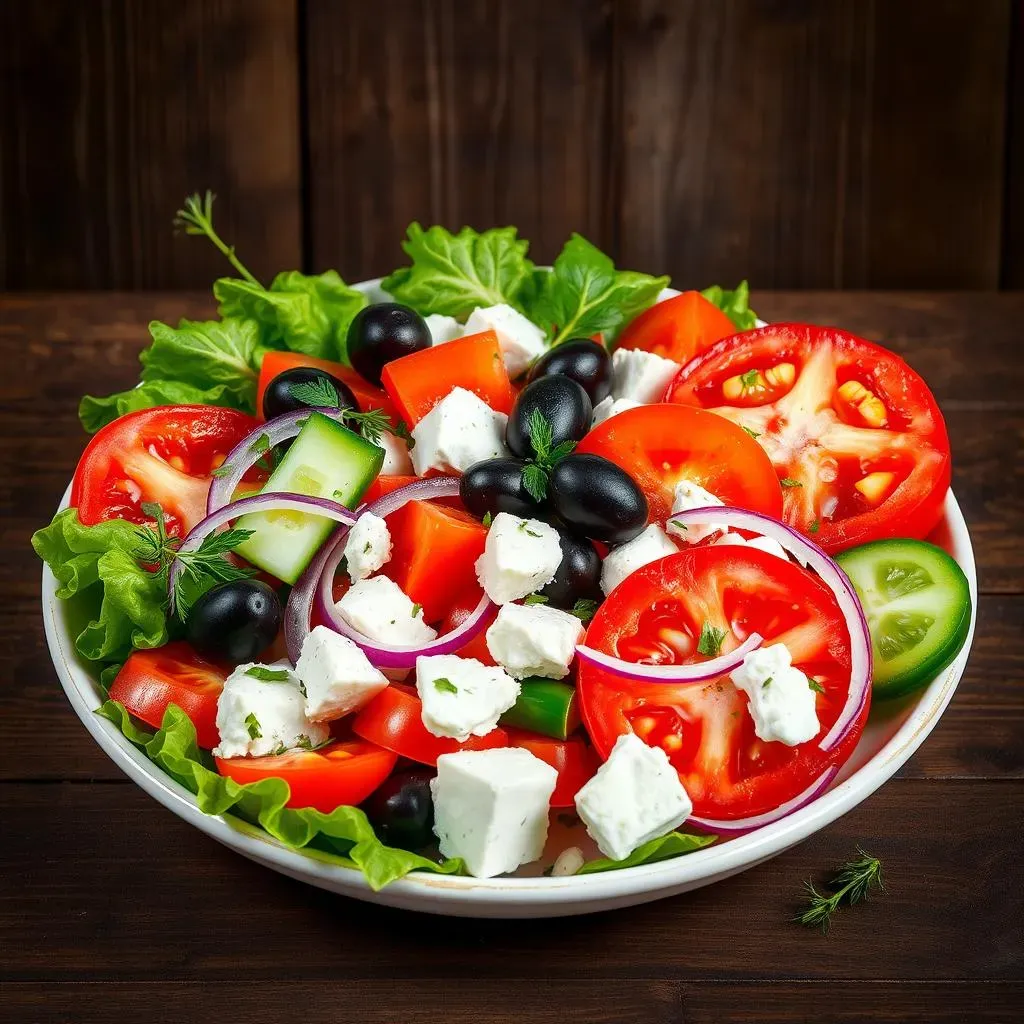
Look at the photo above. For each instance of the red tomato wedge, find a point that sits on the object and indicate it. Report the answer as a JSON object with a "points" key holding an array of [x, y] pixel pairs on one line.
{"points": [[661, 445], [417, 382], [173, 674], [339, 775], [678, 328], [368, 396], [459, 611], [163, 455], [852, 430], [656, 615], [574, 759], [385, 484], [433, 553], [393, 720]]}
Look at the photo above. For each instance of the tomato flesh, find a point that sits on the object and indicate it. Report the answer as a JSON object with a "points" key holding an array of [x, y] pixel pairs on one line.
{"points": [[573, 758], [678, 328], [656, 615], [855, 435]]}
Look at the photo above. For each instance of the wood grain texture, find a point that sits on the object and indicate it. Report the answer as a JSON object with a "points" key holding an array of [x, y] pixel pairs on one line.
{"points": [[1013, 221], [791, 144], [477, 113], [113, 111]]}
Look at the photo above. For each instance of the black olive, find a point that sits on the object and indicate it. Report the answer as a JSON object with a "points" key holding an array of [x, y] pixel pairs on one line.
{"points": [[597, 498], [496, 485], [279, 399], [561, 401], [234, 621], [382, 332], [583, 360], [578, 577], [401, 810]]}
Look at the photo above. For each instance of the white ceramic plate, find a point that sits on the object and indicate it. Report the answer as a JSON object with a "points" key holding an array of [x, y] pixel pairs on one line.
{"points": [[893, 733]]}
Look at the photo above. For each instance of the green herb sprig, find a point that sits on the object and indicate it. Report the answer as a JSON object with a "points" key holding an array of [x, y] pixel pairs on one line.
{"points": [[545, 457], [851, 884], [710, 642], [322, 394], [196, 218]]}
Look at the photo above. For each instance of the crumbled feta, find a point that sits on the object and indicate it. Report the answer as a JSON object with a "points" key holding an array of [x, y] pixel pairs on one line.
{"points": [[647, 547], [458, 432], [491, 808], [258, 716], [367, 547], [443, 328], [689, 495], [396, 456], [635, 796], [533, 640], [781, 701], [641, 376], [568, 862], [520, 340], [667, 293], [769, 544], [520, 556], [609, 407], [462, 697], [337, 677], [380, 610]]}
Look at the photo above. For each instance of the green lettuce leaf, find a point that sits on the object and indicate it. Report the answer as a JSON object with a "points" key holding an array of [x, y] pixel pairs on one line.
{"points": [[345, 831], [98, 412], [585, 293], [453, 274], [308, 314], [734, 304], [672, 845], [124, 604]]}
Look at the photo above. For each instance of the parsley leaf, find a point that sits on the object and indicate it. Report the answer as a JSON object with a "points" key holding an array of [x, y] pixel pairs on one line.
{"points": [[487, 519], [318, 393], [815, 526], [767, 683], [815, 685], [752, 433], [750, 378], [444, 685], [524, 528], [268, 675], [535, 599], [788, 481], [710, 642], [252, 725], [416, 609], [260, 445], [585, 609]]}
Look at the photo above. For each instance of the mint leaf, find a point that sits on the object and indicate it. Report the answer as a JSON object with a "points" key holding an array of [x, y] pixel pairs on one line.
{"points": [[734, 304], [487, 519], [443, 685], [540, 434], [815, 526], [268, 675], [319, 393], [535, 599], [252, 726], [535, 480], [585, 609], [710, 642], [815, 685], [752, 433], [788, 481]]}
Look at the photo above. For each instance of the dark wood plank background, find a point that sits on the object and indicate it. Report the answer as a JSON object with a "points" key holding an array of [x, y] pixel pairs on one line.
{"points": [[800, 143], [112, 908]]}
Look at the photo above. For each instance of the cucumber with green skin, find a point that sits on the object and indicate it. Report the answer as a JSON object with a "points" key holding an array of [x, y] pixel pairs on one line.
{"points": [[544, 706], [918, 606]]}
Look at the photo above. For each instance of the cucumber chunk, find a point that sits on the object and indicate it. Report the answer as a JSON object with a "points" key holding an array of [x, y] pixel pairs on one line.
{"points": [[326, 460], [918, 607]]}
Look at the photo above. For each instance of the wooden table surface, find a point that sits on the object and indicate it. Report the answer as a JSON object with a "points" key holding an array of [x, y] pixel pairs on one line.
{"points": [[112, 908]]}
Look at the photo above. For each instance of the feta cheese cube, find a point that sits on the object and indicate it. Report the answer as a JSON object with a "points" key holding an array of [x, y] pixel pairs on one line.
{"points": [[533, 640], [491, 808], [769, 544], [396, 456], [635, 797], [380, 610], [520, 556], [690, 495], [780, 699], [367, 547], [667, 293], [261, 711], [643, 549], [609, 407], [443, 328], [462, 697], [641, 376], [520, 340], [337, 677], [458, 432]]}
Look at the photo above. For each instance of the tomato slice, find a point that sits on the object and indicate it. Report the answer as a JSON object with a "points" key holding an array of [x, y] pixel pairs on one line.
{"points": [[174, 674], [458, 612], [433, 554], [853, 430], [385, 484], [393, 720], [368, 396], [656, 615], [678, 328], [339, 775], [574, 759], [164, 455], [417, 382], [661, 445]]}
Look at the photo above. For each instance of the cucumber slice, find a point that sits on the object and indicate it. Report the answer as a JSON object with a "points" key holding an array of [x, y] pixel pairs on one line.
{"points": [[918, 607], [326, 460], [545, 706]]}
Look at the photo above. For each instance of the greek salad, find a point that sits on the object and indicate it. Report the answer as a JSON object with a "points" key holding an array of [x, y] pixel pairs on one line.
{"points": [[443, 574]]}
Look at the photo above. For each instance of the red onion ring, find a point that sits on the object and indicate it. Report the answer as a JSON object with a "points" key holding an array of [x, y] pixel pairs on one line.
{"points": [[736, 826], [385, 655], [299, 607], [809, 554], [242, 458], [695, 673], [270, 502]]}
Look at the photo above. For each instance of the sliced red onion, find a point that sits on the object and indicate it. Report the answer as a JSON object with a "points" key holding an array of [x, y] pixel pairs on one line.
{"points": [[736, 826], [270, 502], [299, 609], [809, 554], [695, 673], [251, 449]]}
